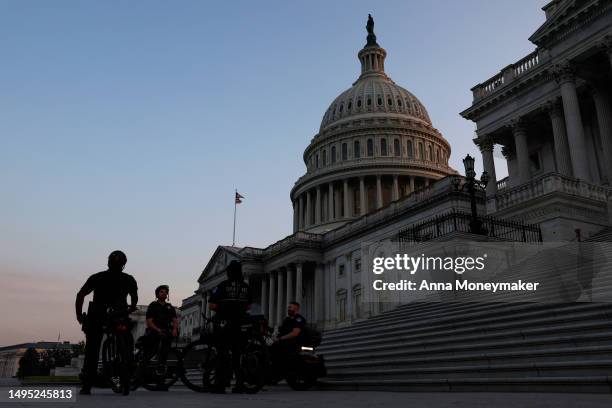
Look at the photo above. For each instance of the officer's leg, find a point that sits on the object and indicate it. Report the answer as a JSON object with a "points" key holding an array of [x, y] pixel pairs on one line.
{"points": [[221, 364], [93, 338], [164, 349]]}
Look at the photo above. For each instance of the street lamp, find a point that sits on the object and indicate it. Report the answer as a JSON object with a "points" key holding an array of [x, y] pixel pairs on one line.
{"points": [[471, 184]]}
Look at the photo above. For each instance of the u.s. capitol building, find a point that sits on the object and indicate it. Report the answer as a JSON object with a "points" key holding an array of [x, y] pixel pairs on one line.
{"points": [[378, 166]]}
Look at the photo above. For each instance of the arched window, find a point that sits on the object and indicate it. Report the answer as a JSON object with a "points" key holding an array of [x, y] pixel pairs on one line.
{"points": [[369, 101], [399, 103], [341, 305], [341, 107], [437, 156], [349, 106], [397, 149], [389, 101], [324, 157], [356, 149], [410, 150], [431, 156], [383, 147], [421, 151], [344, 151], [359, 103], [317, 160], [379, 101], [333, 154], [370, 148]]}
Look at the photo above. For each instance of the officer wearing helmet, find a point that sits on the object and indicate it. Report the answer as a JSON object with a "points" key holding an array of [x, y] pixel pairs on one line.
{"points": [[162, 325], [110, 289], [230, 302]]}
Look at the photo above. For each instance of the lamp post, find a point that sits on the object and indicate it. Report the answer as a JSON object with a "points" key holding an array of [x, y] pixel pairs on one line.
{"points": [[472, 185]]}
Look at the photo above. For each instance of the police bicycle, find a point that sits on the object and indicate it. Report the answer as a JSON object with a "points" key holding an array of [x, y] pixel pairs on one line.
{"points": [[117, 349], [199, 359], [151, 372]]}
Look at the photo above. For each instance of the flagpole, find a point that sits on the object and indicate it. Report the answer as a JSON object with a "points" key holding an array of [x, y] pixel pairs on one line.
{"points": [[235, 204]]}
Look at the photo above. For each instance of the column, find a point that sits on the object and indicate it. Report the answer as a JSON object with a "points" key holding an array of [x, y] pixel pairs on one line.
{"points": [[395, 192], [295, 216], [271, 303], [298, 282], [338, 203], [318, 293], [604, 121], [412, 184], [280, 300], [318, 206], [562, 154], [486, 148], [308, 218], [330, 197], [264, 296], [522, 151], [362, 196], [348, 269], [573, 121], [347, 212], [379, 197], [301, 215], [289, 285]]}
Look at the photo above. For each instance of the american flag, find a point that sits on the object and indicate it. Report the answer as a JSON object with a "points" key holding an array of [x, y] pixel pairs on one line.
{"points": [[238, 198]]}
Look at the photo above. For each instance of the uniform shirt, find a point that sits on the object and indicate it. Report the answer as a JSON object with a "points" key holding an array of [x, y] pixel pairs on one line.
{"points": [[110, 289], [162, 314], [296, 321], [232, 298]]}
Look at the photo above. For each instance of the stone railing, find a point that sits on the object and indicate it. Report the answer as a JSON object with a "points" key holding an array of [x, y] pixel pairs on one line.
{"points": [[502, 184], [546, 184], [507, 75], [299, 238]]}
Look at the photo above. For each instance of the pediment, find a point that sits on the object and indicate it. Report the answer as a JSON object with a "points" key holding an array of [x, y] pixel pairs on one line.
{"points": [[566, 13], [222, 256]]}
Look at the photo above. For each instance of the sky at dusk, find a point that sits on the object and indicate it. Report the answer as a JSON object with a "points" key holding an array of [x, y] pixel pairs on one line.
{"points": [[128, 125]]}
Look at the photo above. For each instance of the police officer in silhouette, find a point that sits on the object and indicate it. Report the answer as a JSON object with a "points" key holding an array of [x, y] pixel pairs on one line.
{"points": [[110, 288], [230, 301]]}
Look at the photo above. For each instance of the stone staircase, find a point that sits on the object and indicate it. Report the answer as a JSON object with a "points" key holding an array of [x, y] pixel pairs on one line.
{"points": [[476, 346]]}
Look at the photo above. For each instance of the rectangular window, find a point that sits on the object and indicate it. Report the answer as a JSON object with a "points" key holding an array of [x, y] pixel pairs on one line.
{"points": [[357, 265], [341, 270]]}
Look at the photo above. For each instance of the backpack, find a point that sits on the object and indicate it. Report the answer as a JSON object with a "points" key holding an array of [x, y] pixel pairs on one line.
{"points": [[312, 337]]}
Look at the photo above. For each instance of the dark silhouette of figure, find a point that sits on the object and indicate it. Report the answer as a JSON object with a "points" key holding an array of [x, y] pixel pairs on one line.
{"points": [[230, 302], [162, 325], [110, 289]]}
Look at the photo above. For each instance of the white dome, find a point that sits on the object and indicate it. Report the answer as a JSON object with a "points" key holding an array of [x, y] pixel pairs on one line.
{"points": [[372, 95]]}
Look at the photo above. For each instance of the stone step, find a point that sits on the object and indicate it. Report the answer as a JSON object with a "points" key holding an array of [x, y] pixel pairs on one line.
{"points": [[471, 325], [580, 337], [447, 314], [566, 354], [520, 370], [590, 384]]}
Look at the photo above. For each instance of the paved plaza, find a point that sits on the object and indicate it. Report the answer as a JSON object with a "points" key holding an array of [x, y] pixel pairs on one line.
{"points": [[282, 397]]}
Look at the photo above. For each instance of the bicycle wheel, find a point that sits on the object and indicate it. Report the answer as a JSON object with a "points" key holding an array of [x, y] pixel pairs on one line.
{"points": [[111, 364], [161, 376], [197, 366], [254, 363]]}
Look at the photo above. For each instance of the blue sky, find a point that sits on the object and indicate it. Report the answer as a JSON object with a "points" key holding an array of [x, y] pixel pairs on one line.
{"points": [[128, 124]]}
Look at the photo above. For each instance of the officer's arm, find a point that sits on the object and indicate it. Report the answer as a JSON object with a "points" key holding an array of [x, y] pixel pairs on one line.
{"points": [[293, 334], [134, 295], [87, 288], [151, 325]]}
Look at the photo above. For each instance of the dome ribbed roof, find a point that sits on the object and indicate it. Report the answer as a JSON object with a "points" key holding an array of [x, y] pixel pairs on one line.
{"points": [[374, 93]]}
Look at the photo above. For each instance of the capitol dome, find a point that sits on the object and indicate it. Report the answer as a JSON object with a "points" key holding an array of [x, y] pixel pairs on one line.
{"points": [[374, 95], [376, 144]]}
